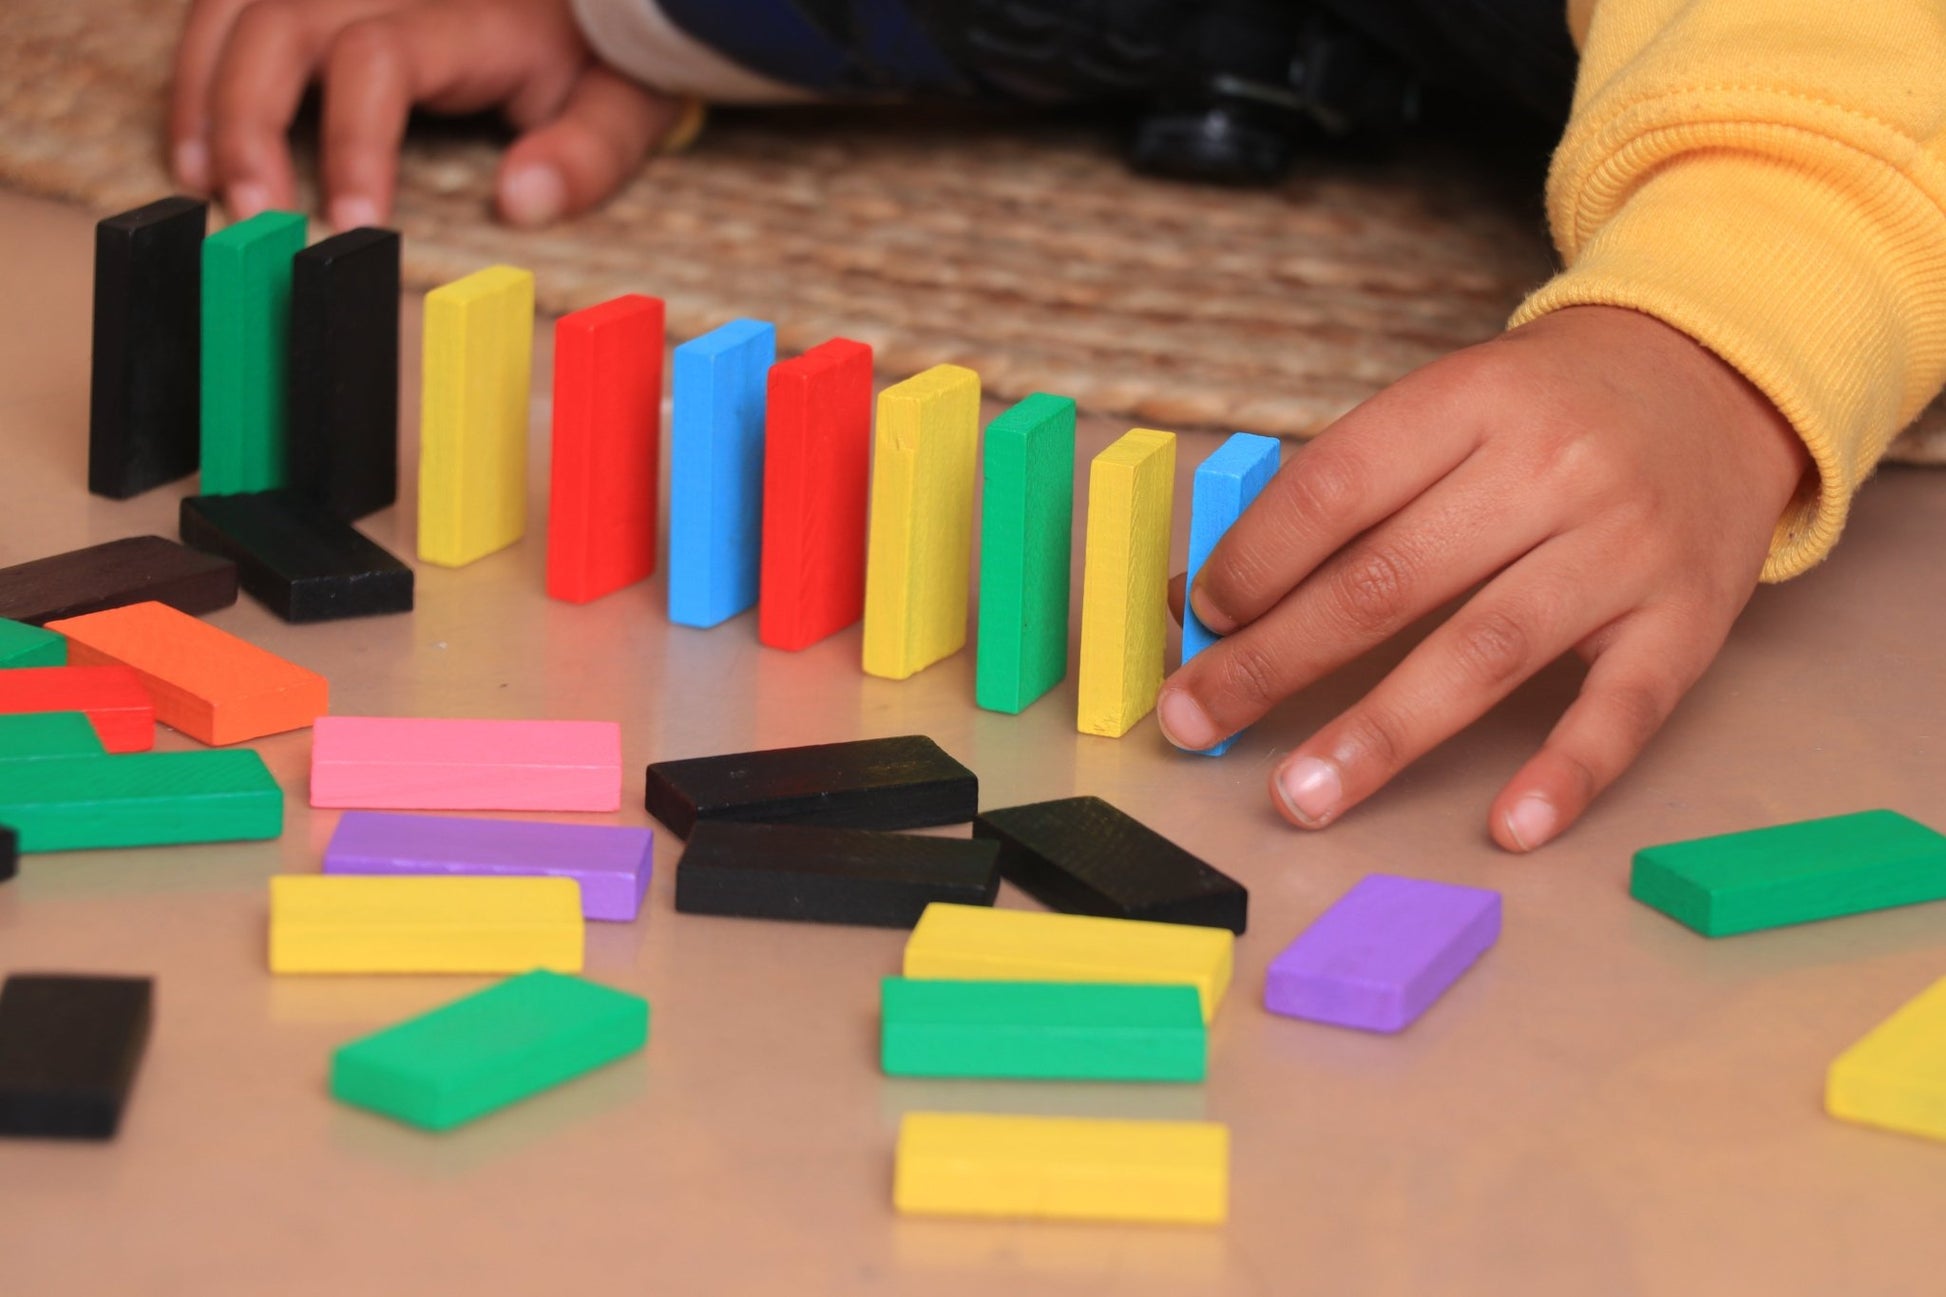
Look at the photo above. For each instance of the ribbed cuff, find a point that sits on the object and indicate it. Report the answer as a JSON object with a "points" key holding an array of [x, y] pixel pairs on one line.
{"points": [[636, 37]]}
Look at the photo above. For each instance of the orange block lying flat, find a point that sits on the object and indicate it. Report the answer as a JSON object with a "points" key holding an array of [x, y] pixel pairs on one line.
{"points": [[207, 683], [117, 704]]}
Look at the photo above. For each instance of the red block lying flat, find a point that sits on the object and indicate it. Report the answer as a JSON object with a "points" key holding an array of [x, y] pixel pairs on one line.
{"points": [[117, 703]]}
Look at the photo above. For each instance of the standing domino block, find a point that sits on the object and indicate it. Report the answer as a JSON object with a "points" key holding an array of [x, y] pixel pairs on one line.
{"points": [[135, 570], [1125, 588], [1026, 543], [296, 558], [411, 764], [36, 736], [1042, 1031], [1062, 1168], [143, 421], [1381, 955], [490, 1049], [151, 799], [9, 852], [897, 783], [69, 1050], [716, 471], [788, 871], [246, 352], [477, 363], [923, 471], [612, 865], [1226, 484], [1895, 1078], [206, 682], [114, 698], [22, 645], [817, 474], [344, 372], [607, 448], [322, 924]]}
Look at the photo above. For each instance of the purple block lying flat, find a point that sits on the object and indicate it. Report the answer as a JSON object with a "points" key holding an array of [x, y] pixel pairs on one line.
{"points": [[1379, 957], [611, 864]]}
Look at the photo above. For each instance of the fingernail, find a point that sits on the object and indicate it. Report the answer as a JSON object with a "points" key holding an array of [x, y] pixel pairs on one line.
{"points": [[245, 199], [1311, 790], [534, 196], [352, 213], [1213, 621], [192, 164], [1532, 821], [1185, 723]]}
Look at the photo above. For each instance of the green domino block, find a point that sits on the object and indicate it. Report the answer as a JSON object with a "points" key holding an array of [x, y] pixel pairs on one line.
{"points": [[1051, 1031], [22, 645], [1792, 873], [493, 1048], [147, 799], [36, 736], [246, 342], [1026, 533]]}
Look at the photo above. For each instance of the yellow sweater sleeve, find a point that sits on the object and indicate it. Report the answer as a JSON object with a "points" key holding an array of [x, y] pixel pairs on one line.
{"points": [[1769, 176]]}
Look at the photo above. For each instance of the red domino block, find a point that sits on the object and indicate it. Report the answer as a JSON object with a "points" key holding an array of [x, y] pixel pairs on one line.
{"points": [[116, 701], [817, 479], [607, 443]]}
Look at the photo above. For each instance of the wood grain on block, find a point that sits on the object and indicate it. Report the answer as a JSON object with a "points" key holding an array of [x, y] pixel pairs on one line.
{"points": [[1125, 584], [897, 783], [428, 764], [820, 875], [340, 924], [139, 569]]}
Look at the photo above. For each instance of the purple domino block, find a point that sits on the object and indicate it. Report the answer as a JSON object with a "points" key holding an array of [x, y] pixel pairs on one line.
{"points": [[611, 864], [1378, 958]]}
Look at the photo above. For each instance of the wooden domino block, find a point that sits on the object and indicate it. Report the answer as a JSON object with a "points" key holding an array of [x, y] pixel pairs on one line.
{"points": [[9, 852], [1125, 587], [1895, 1078], [1042, 1031], [246, 352], [114, 699], [338, 924], [22, 645], [923, 468], [817, 875], [1026, 544], [37, 736], [69, 1050], [135, 570], [206, 682], [426, 764], [295, 557], [1226, 484], [151, 799], [344, 372], [817, 474], [716, 471], [477, 363], [906, 782]]}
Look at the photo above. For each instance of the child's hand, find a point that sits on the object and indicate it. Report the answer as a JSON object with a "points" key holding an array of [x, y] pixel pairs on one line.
{"points": [[1614, 484], [242, 68]]}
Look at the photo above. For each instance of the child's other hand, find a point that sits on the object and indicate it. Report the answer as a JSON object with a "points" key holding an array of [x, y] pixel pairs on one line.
{"points": [[1613, 484], [243, 65]]}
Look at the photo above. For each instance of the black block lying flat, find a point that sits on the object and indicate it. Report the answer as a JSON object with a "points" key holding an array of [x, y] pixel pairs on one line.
{"points": [[120, 572], [898, 783], [788, 871], [297, 559], [69, 1047]]}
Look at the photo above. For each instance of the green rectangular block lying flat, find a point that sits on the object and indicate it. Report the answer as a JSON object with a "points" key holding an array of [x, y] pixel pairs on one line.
{"points": [[493, 1048], [22, 645], [246, 342], [1051, 1031], [146, 799], [1792, 873], [35, 736], [1026, 533]]}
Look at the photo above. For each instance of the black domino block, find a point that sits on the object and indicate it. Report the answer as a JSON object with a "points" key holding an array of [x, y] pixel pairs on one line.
{"points": [[144, 420], [69, 1047], [901, 783], [788, 871], [1080, 855], [9, 853], [344, 372], [299, 561], [137, 570]]}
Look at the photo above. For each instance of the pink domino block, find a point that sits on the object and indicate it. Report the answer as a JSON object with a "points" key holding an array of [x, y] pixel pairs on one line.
{"points": [[385, 763]]}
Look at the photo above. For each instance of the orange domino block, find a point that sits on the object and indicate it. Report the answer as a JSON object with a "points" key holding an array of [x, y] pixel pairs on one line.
{"points": [[207, 683], [115, 700]]}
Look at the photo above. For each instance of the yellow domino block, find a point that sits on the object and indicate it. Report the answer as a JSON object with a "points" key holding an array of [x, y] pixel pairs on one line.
{"points": [[1125, 585], [924, 466], [1896, 1076], [977, 942], [478, 361], [328, 923], [1062, 1168]]}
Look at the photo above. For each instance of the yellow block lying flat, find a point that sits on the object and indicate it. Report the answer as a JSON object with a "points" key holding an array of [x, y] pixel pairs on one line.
{"points": [[354, 924], [1062, 1168], [976, 942], [1896, 1076], [1125, 584]]}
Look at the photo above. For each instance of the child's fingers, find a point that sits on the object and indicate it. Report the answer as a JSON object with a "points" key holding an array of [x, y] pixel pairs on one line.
{"points": [[204, 33], [368, 91], [607, 127]]}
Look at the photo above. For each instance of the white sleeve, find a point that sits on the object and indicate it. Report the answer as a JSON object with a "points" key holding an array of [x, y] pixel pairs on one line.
{"points": [[636, 37]]}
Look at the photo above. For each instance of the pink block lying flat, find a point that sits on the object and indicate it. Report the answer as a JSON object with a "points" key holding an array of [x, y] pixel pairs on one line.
{"points": [[409, 764]]}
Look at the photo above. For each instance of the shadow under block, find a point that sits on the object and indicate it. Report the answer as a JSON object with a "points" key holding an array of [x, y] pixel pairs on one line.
{"points": [[412, 764], [22, 645], [69, 1050], [144, 426], [1383, 953], [817, 475], [150, 799], [326, 924], [113, 698], [716, 471], [972, 943], [925, 466], [490, 1049], [1081, 855], [139, 569], [296, 558], [1225, 485], [1026, 544], [815, 875], [1792, 873], [1042, 1031], [344, 372], [476, 367], [206, 682], [246, 352], [36, 736], [1895, 1078], [1125, 583], [897, 783], [612, 865], [607, 448], [1062, 1168]]}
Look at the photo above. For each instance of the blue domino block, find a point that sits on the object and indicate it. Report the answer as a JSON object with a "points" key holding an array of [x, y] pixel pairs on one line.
{"points": [[716, 472], [1225, 485]]}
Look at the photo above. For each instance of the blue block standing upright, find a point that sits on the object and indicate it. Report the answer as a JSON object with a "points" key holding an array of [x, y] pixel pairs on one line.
{"points": [[1225, 485], [716, 471]]}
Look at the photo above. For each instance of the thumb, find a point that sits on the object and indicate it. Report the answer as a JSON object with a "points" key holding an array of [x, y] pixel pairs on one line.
{"points": [[605, 128]]}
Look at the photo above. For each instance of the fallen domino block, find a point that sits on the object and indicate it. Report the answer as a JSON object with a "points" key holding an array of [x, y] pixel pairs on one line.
{"points": [[1382, 954], [113, 698], [321, 924], [1125, 584], [818, 875], [344, 373], [1895, 1078], [1080, 855], [897, 783], [1062, 1168], [140, 569], [612, 865], [150, 799], [69, 1050], [22, 645], [1792, 873], [36, 736], [1058, 1031], [490, 1049], [9, 852], [716, 471], [1026, 543], [413, 764], [295, 557], [1226, 484], [246, 352]]}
